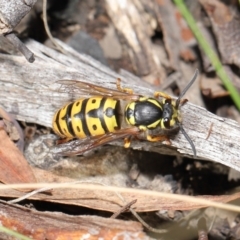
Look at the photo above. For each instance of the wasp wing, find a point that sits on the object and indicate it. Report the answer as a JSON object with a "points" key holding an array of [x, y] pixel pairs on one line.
{"points": [[84, 89], [79, 146]]}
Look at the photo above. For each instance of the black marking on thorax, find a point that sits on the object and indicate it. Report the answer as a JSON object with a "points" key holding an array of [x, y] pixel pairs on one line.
{"points": [[146, 113]]}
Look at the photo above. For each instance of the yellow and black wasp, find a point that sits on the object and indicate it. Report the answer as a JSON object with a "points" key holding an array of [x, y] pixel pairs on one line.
{"points": [[110, 114]]}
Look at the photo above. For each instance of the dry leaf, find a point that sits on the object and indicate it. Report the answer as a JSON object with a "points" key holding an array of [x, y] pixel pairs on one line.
{"points": [[14, 167], [174, 27], [212, 87], [51, 226], [226, 28], [11, 126]]}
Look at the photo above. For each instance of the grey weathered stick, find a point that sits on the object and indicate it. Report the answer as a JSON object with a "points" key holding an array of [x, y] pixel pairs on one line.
{"points": [[130, 22], [20, 46], [11, 13], [31, 93]]}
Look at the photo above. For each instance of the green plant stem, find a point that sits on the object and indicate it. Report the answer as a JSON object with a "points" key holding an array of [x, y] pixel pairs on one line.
{"points": [[209, 52], [13, 233]]}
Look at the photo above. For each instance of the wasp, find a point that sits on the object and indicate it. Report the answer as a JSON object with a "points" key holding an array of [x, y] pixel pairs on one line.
{"points": [[107, 115]]}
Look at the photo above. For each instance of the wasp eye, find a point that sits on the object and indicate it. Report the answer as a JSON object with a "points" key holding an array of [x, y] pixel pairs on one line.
{"points": [[166, 122]]}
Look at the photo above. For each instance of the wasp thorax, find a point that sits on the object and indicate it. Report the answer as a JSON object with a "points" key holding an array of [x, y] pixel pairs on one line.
{"points": [[146, 112]]}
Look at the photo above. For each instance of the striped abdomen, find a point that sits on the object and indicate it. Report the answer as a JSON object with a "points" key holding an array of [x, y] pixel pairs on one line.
{"points": [[87, 117]]}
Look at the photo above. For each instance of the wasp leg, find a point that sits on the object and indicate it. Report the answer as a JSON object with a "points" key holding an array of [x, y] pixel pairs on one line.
{"points": [[158, 138], [125, 90], [127, 141], [183, 101], [162, 94]]}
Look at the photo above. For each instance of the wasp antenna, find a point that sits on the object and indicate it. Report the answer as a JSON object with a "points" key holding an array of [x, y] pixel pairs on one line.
{"points": [[187, 87], [188, 139]]}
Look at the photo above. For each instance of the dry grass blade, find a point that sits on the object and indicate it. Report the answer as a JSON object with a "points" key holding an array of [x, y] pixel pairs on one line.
{"points": [[105, 198]]}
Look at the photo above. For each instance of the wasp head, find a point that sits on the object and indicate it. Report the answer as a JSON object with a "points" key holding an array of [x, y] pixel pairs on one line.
{"points": [[171, 117]]}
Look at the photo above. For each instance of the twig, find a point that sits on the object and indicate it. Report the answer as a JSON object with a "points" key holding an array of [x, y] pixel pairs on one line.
{"points": [[20, 46], [202, 229], [135, 214], [209, 131], [124, 209], [11, 13], [47, 28], [29, 195], [44, 189]]}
